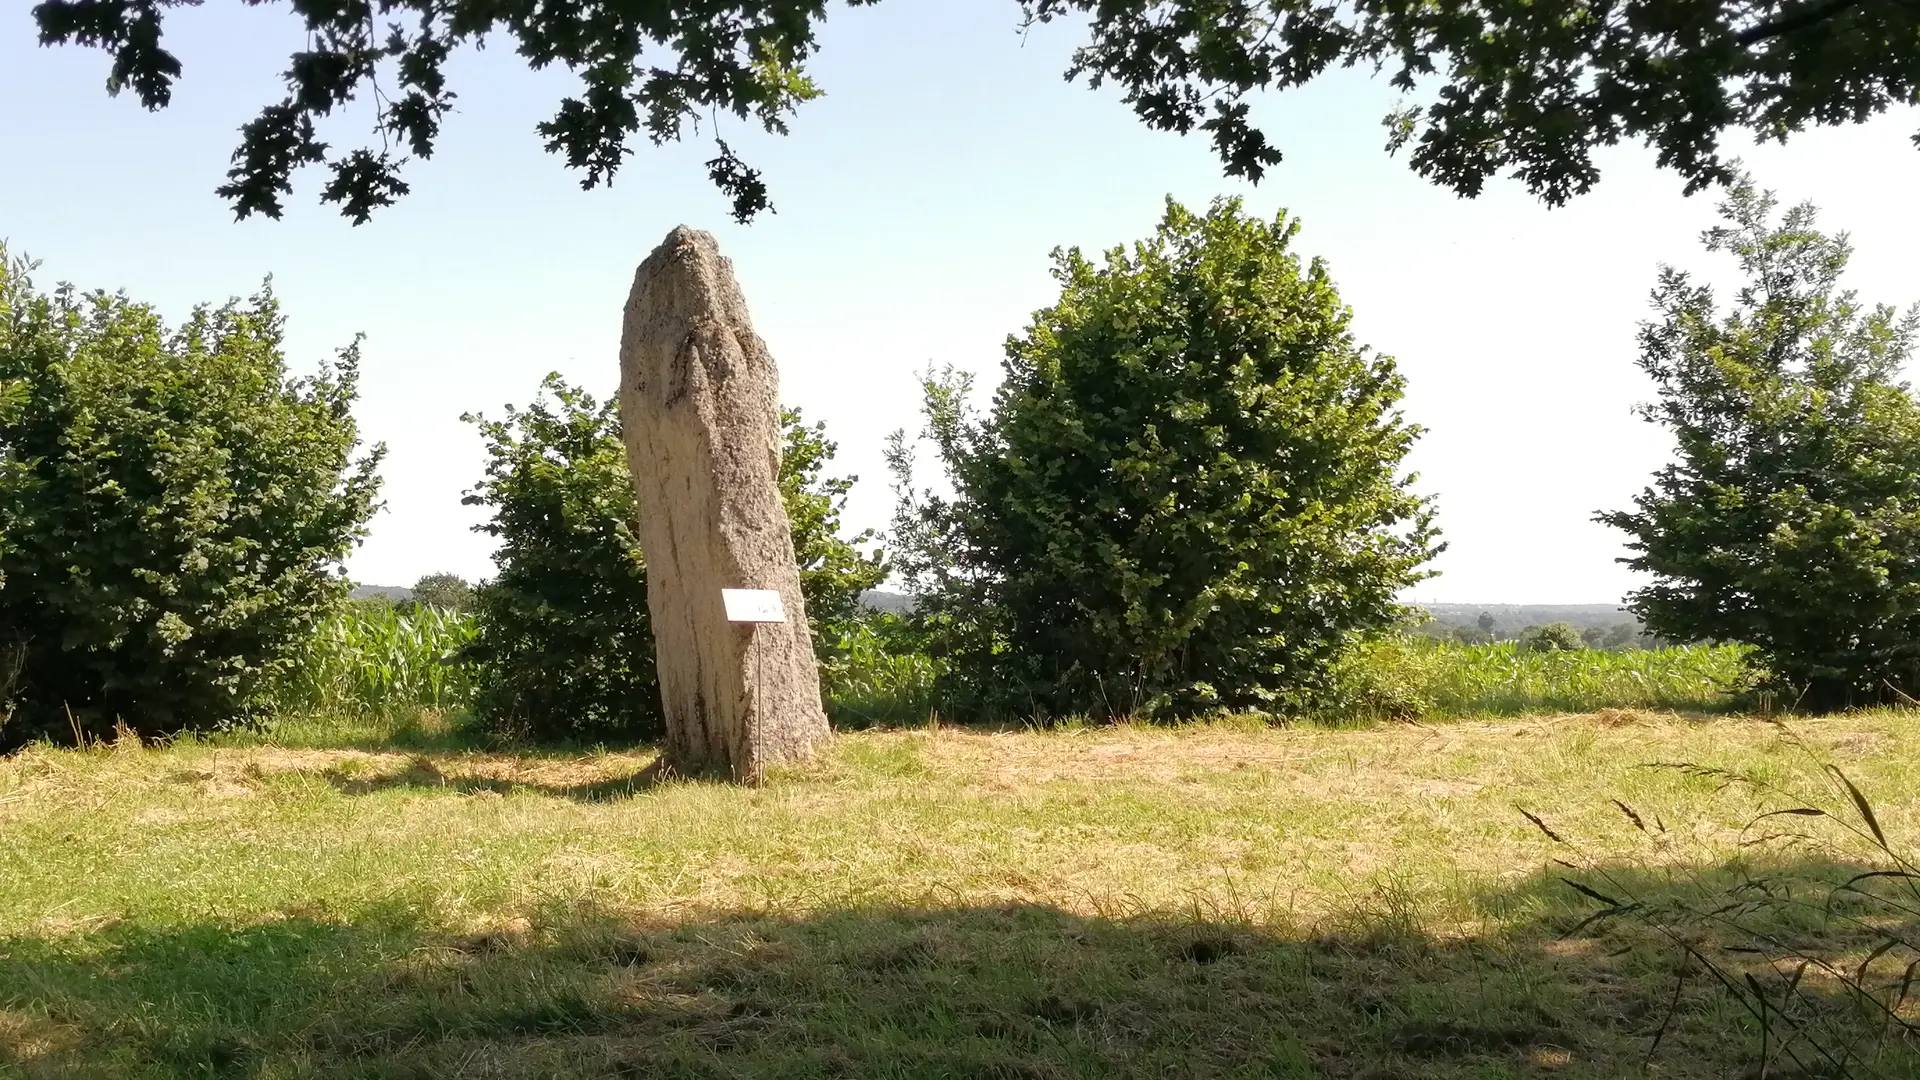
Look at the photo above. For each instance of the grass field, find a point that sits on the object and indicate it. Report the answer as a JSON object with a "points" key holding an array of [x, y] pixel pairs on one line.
{"points": [[1207, 902]]}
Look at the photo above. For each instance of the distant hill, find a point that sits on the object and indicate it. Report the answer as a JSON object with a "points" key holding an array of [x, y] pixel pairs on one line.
{"points": [[881, 600], [1507, 618], [1514, 617]]}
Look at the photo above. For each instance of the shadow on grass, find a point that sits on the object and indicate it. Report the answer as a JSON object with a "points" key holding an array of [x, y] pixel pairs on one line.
{"points": [[425, 774], [1024, 992], [422, 731]]}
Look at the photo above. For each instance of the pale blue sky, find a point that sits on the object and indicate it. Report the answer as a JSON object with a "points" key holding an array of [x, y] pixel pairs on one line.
{"points": [[917, 203]]}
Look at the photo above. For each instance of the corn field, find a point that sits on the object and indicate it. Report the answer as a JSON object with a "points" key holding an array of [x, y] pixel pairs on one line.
{"points": [[373, 661], [1504, 679], [867, 683], [370, 662], [1408, 678]]}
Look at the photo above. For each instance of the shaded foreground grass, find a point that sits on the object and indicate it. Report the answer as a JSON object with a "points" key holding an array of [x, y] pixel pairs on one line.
{"points": [[1130, 902]]}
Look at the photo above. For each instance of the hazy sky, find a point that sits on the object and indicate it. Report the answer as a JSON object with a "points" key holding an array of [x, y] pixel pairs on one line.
{"points": [[917, 203]]}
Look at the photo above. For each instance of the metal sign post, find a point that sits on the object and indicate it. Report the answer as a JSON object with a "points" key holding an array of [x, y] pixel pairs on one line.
{"points": [[753, 607]]}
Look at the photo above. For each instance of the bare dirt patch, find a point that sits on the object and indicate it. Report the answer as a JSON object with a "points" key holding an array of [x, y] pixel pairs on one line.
{"points": [[361, 772], [25, 1038]]}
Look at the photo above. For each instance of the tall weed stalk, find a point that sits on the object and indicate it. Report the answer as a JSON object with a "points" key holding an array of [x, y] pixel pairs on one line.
{"points": [[1814, 933]]}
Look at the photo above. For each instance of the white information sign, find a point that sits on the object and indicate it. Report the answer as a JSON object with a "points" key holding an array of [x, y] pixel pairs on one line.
{"points": [[753, 605]]}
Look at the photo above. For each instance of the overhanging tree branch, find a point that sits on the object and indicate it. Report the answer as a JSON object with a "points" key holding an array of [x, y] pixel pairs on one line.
{"points": [[1676, 78], [1799, 20]]}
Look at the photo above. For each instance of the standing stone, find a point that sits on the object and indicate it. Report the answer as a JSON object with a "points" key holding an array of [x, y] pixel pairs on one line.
{"points": [[699, 403]]}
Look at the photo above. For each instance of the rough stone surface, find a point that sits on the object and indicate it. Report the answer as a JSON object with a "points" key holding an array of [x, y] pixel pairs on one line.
{"points": [[699, 404]]}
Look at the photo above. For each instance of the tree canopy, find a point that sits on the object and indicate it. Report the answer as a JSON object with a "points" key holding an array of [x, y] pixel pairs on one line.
{"points": [[1791, 517], [442, 592], [174, 507], [564, 646], [1187, 496], [1509, 86]]}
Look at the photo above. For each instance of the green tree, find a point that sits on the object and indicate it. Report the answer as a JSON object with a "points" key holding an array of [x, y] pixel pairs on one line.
{"points": [[1512, 87], [1791, 517], [173, 509], [1472, 635], [1621, 636], [1187, 496], [1553, 637], [443, 592], [833, 570], [564, 645]]}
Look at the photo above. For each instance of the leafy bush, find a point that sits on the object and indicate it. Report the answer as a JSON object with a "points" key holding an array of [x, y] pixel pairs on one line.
{"points": [[1187, 495], [564, 643], [1553, 637], [172, 509], [1392, 677], [1791, 519]]}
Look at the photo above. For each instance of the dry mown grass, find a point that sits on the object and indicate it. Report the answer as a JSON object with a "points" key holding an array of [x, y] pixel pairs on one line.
{"points": [[1213, 901]]}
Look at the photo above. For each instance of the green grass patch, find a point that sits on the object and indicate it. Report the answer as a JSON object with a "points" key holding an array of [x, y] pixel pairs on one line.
{"points": [[1214, 900]]}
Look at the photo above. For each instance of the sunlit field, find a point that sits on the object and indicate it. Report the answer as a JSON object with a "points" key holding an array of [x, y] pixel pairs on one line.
{"points": [[1219, 900]]}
